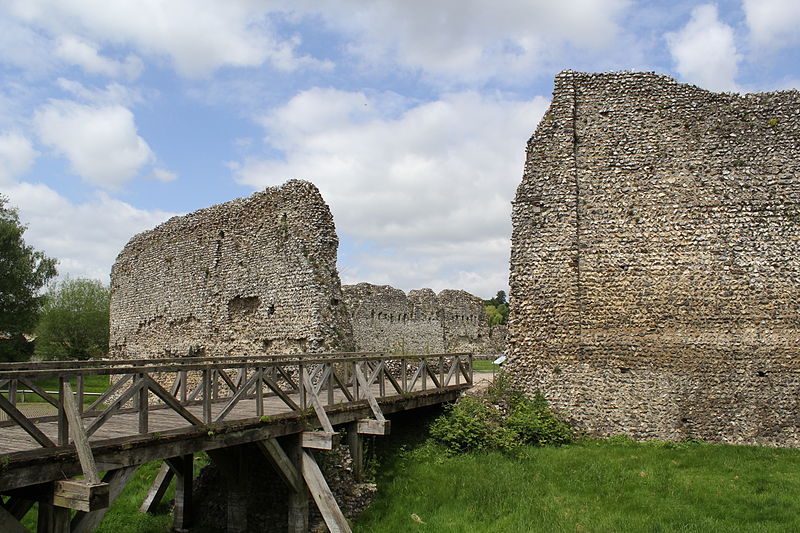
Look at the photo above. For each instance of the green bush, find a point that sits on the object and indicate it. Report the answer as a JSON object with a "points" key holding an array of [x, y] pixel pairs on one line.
{"points": [[501, 419]]}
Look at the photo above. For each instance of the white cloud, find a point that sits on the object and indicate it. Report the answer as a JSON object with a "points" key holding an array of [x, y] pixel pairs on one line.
{"points": [[100, 143], [163, 175], [16, 155], [773, 23], [85, 238], [471, 39], [198, 36], [113, 93], [76, 51], [704, 51], [433, 184]]}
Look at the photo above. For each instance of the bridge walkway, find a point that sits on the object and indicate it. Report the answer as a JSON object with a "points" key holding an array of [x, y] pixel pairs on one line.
{"points": [[169, 409]]}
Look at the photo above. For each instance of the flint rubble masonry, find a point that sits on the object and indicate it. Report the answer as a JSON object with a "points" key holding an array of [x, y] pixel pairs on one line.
{"points": [[655, 264], [386, 319], [249, 276]]}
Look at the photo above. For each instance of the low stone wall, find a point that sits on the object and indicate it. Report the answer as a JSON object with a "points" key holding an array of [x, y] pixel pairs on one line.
{"points": [[385, 319]]}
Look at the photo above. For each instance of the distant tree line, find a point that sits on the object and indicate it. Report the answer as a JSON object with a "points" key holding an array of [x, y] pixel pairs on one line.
{"points": [[497, 309], [69, 320]]}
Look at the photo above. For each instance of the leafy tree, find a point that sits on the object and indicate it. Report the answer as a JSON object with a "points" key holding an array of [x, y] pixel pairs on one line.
{"points": [[75, 321], [497, 309], [23, 273]]}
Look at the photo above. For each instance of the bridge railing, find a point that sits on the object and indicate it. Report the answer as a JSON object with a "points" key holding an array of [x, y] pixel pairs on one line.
{"points": [[210, 391]]}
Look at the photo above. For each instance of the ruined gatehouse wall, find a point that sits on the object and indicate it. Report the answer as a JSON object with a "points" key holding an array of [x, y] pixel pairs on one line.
{"points": [[386, 319], [655, 265], [251, 276]]}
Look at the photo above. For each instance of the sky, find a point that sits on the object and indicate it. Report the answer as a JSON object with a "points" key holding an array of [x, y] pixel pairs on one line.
{"points": [[411, 117]]}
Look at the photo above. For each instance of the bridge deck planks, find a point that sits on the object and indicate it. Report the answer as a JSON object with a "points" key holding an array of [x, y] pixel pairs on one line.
{"points": [[15, 439]]}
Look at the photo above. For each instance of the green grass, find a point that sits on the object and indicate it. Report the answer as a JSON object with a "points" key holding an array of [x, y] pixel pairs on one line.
{"points": [[597, 486], [96, 384], [124, 515], [482, 365]]}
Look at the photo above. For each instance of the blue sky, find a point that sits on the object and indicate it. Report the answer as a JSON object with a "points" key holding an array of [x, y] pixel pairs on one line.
{"points": [[411, 117]]}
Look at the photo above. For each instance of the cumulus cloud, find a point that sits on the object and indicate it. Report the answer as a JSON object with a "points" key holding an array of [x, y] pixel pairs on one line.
{"points": [[471, 39], [101, 143], [773, 23], [16, 155], [85, 238], [163, 175], [704, 51], [113, 93], [79, 52], [431, 186], [198, 36]]}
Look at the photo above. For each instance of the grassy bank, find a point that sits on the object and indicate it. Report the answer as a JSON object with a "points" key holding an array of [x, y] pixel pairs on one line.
{"points": [[598, 486]]}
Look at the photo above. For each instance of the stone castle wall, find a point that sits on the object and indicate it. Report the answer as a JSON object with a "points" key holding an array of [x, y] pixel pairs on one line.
{"points": [[254, 275], [385, 319], [655, 266]]}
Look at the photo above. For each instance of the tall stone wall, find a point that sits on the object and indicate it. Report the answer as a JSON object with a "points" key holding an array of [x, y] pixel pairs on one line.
{"points": [[655, 266], [249, 276], [385, 319]]}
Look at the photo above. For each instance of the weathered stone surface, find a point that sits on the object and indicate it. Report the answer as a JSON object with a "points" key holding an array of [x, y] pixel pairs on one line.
{"points": [[249, 276], [386, 319], [655, 266]]}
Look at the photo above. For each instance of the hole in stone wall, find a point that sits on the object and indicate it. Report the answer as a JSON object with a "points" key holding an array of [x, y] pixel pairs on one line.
{"points": [[334, 302], [271, 310], [266, 344], [624, 370], [684, 420], [762, 374], [243, 304]]}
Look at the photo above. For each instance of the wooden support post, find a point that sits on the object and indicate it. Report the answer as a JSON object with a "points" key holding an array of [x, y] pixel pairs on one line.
{"points": [[63, 426], [79, 399], [298, 499], [143, 406], [207, 396], [182, 511], [78, 432], [12, 391], [116, 480], [157, 489], [237, 493], [356, 443], [52, 519], [259, 392], [322, 495], [273, 451], [9, 523]]}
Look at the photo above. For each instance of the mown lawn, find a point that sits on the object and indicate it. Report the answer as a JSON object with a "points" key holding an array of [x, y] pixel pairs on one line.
{"points": [[92, 384], [597, 486], [484, 365]]}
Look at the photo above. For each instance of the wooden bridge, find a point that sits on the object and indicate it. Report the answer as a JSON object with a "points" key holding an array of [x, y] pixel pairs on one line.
{"points": [[76, 459]]}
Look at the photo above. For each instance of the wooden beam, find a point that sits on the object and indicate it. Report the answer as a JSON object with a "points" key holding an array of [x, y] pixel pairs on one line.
{"points": [[319, 440], [356, 443], [318, 409], [323, 497], [157, 489], [297, 515], [52, 519], [19, 506], [373, 404], [24, 423], [183, 509], [117, 480], [272, 449], [373, 427], [79, 495], [78, 433], [9, 522]]}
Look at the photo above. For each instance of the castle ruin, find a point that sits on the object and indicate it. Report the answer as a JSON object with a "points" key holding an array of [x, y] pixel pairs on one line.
{"points": [[655, 265], [386, 319], [254, 275]]}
